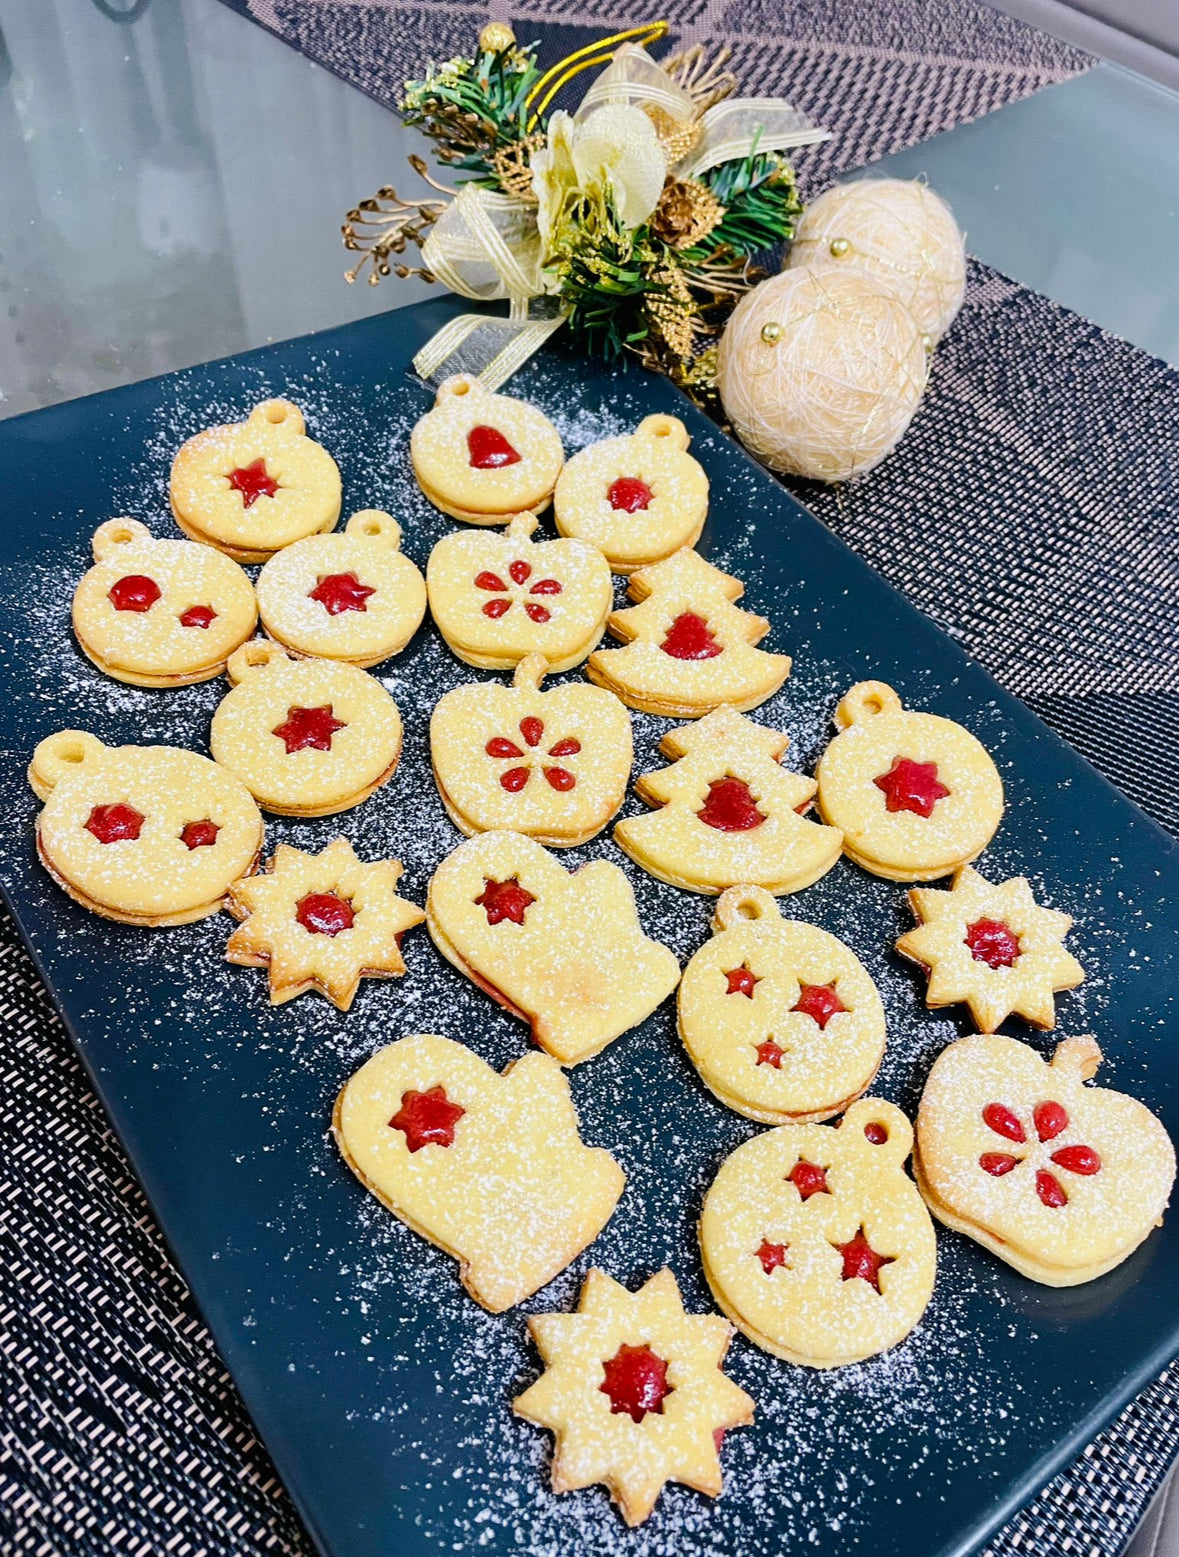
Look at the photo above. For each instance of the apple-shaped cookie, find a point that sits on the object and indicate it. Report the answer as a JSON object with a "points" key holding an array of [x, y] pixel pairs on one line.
{"points": [[1061, 1180], [490, 1168], [550, 764]]}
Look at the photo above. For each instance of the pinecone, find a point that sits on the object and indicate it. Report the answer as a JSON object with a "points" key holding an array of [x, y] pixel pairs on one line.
{"points": [[687, 212]]}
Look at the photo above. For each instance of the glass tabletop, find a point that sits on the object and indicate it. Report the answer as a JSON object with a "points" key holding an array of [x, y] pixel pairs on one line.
{"points": [[173, 178]]}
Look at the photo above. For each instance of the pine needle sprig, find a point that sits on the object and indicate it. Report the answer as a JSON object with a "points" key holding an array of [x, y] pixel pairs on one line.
{"points": [[761, 204], [473, 108]]}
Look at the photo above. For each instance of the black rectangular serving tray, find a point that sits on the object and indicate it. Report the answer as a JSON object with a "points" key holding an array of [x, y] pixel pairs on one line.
{"points": [[380, 1388]]}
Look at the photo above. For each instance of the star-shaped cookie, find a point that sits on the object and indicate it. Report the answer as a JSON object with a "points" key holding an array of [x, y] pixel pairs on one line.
{"points": [[321, 921], [992, 947], [634, 1392]]}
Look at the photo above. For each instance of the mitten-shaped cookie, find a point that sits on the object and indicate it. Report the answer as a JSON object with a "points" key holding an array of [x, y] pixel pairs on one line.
{"points": [[816, 1242], [550, 764], [688, 647], [563, 950], [497, 598], [490, 1168], [1061, 1180], [484, 457], [915, 794], [160, 613], [781, 1019], [321, 921], [637, 498], [728, 812], [253, 487], [147, 835], [993, 948], [349, 596], [633, 1392], [306, 737]]}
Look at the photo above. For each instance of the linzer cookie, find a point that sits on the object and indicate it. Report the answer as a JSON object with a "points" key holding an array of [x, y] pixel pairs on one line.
{"points": [[253, 487], [321, 921], [159, 613], [1061, 1180], [728, 812], [489, 1167], [688, 647], [483, 457], [637, 498], [550, 764], [497, 598], [915, 794], [562, 950], [351, 596], [634, 1393], [307, 737], [147, 835], [815, 1241], [992, 948], [781, 1019]]}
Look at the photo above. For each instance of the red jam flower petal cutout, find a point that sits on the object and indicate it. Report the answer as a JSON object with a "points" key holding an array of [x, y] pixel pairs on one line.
{"points": [[253, 482], [546, 586], [323, 913], [490, 581], [136, 592], [997, 1163], [199, 835], [992, 942], [629, 495], [515, 779], [1078, 1159], [305, 727], [497, 608], [488, 449], [1049, 1190], [532, 729], [730, 807], [875, 1133], [198, 616], [741, 981], [999, 1118], [114, 823], [500, 746], [808, 1178], [769, 1053], [772, 1256], [861, 1260], [427, 1118], [1050, 1120], [689, 638], [504, 900], [338, 592], [560, 778], [820, 1002], [911, 786], [519, 571], [569, 747], [537, 613], [636, 1382]]}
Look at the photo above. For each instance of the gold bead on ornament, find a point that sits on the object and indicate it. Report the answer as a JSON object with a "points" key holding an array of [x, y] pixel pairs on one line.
{"points": [[496, 38], [840, 246], [771, 333]]}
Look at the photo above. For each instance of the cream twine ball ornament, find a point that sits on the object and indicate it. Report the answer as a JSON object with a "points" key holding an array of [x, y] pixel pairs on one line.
{"points": [[897, 231], [820, 372]]}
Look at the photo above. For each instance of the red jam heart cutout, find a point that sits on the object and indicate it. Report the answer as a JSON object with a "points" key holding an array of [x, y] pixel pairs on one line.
{"points": [[427, 1118], [911, 786], [730, 807], [136, 592], [636, 1382], [306, 727], [689, 638], [488, 449], [992, 942], [323, 913], [338, 592], [820, 1002], [199, 835], [114, 823], [253, 482], [629, 495]]}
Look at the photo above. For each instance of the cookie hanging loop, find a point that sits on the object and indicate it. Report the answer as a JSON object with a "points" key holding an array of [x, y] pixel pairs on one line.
{"points": [[456, 386], [278, 414], [665, 430], [866, 700], [530, 672], [882, 1126], [252, 656], [57, 756], [521, 526], [744, 905], [1081, 1055], [375, 524], [115, 533]]}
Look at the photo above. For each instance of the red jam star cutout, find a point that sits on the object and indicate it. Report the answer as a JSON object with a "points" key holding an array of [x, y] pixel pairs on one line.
{"points": [[488, 449], [305, 727], [992, 942], [136, 592], [911, 786], [199, 835], [820, 1002], [770, 1053], [689, 638], [730, 807], [808, 1179], [501, 748], [636, 1382], [323, 913], [772, 1256], [861, 1261], [629, 495], [114, 823], [338, 592], [504, 900], [741, 981], [427, 1118], [519, 572], [198, 616], [253, 482]]}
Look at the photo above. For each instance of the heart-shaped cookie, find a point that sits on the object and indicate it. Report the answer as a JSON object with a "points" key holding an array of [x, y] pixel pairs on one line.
{"points": [[1061, 1180], [490, 1168], [498, 597], [563, 950]]}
